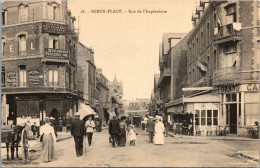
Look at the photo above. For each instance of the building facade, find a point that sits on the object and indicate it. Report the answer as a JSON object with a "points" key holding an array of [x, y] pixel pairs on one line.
{"points": [[223, 66], [102, 92], [38, 61]]}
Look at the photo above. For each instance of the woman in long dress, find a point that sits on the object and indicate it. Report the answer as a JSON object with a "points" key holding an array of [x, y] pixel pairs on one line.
{"points": [[48, 141], [158, 135], [122, 137]]}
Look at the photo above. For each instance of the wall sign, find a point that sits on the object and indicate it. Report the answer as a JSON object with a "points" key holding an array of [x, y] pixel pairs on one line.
{"points": [[252, 87], [55, 28], [11, 79], [56, 53], [34, 78], [230, 88]]}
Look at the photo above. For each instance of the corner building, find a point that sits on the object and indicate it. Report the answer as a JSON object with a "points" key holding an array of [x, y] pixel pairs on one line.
{"points": [[223, 66], [38, 61]]}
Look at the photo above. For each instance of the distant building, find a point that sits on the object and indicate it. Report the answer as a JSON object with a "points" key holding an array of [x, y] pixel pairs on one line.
{"points": [[115, 97], [138, 107]]}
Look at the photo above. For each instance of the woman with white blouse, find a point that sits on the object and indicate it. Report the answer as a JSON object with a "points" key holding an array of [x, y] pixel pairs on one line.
{"points": [[48, 141]]}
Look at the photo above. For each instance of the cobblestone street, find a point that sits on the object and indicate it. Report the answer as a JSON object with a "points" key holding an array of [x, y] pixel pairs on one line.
{"points": [[177, 151]]}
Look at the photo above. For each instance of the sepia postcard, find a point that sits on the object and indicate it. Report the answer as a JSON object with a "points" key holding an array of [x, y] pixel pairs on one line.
{"points": [[130, 83]]}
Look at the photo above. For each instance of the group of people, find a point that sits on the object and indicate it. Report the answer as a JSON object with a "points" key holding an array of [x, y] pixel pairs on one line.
{"points": [[155, 129], [119, 130]]}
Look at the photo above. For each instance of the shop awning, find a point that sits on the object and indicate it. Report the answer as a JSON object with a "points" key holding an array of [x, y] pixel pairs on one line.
{"points": [[203, 98], [85, 110], [234, 38], [55, 60]]}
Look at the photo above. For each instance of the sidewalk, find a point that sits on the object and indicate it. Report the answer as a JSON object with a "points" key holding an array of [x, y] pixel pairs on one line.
{"points": [[242, 146]]}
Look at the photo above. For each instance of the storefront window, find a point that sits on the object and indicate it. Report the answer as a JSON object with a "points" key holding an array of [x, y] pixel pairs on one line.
{"points": [[203, 117], [209, 117], [251, 113], [231, 97], [197, 117], [215, 117]]}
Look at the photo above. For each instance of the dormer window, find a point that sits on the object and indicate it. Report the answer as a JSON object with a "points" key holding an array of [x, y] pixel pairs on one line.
{"points": [[23, 13], [231, 13]]}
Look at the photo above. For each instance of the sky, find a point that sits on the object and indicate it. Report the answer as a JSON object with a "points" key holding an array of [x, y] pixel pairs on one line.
{"points": [[127, 44]]}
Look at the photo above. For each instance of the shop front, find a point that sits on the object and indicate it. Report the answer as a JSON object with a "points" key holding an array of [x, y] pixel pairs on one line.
{"points": [[240, 107]]}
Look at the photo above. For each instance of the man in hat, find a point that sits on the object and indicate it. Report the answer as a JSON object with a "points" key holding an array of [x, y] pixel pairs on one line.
{"points": [[114, 130], [78, 130], [150, 128]]}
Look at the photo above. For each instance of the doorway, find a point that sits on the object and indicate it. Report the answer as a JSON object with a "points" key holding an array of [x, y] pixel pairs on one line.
{"points": [[232, 115]]}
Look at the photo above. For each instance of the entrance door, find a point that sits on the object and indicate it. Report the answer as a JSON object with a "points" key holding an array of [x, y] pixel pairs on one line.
{"points": [[232, 111]]}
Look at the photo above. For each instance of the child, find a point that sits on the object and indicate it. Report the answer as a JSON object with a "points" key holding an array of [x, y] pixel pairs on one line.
{"points": [[132, 135]]}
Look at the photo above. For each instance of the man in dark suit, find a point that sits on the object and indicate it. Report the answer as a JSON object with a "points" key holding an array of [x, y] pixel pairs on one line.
{"points": [[150, 128], [114, 130], [78, 130]]}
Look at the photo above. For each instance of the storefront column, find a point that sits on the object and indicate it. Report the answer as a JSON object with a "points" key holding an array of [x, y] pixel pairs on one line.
{"points": [[242, 108], [194, 129], [224, 110], [238, 118]]}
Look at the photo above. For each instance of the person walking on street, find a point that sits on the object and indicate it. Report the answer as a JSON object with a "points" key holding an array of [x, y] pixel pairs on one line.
{"points": [[132, 135], [114, 130], [150, 128], [25, 144], [123, 127], [158, 130], [90, 125], [48, 141], [78, 130]]}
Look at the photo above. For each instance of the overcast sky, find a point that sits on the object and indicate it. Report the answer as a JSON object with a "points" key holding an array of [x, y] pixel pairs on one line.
{"points": [[127, 45]]}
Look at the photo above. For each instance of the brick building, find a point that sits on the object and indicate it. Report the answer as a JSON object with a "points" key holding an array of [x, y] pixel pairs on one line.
{"points": [[86, 74], [223, 66], [38, 61]]}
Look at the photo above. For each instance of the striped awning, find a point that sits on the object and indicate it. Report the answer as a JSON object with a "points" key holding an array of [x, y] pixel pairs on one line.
{"points": [[55, 60]]}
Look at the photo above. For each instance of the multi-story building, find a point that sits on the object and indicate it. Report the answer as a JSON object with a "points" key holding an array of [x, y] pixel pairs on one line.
{"points": [[115, 98], [86, 74], [165, 65], [102, 92], [223, 66], [38, 60], [155, 96], [138, 107]]}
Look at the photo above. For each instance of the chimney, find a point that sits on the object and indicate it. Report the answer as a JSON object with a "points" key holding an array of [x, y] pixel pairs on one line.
{"points": [[64, 9]]}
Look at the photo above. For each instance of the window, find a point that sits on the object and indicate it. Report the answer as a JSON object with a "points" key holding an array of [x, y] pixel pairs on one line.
{"points": [[215, 117], [209, 117], [22, 75], [23, 13], [3, 46], [231, 14], [53, 12], [4, 17], [208, 33], [197, 117], [74, 80], [203, 117], [231, 97], [229, 49], [54, 41], [53, 77], [3, 77], [22, 43]]}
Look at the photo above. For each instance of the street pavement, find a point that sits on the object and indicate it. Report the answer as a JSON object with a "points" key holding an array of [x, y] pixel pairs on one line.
{"points": [[178, 151]]}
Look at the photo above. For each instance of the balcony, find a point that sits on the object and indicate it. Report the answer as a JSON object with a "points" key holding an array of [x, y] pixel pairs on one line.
{"points": [[230, 32], [166, 74], [225, 75], [56, 55]]}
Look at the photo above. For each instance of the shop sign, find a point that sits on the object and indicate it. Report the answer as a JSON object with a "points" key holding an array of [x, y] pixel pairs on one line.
{"points": [[11, 79], [34, 78], [252, 87], [230, 88], [54, 28], [56, 53]]}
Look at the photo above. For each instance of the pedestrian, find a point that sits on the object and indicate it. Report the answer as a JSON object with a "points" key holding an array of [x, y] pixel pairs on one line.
{"points": [[123, 127], [132, 135], [48, 139], [34, 130], [90, 125], [150, 128], [128, 122], [25, 144], [97, 123], [114, 130], [78, 130], [158, 132]]}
